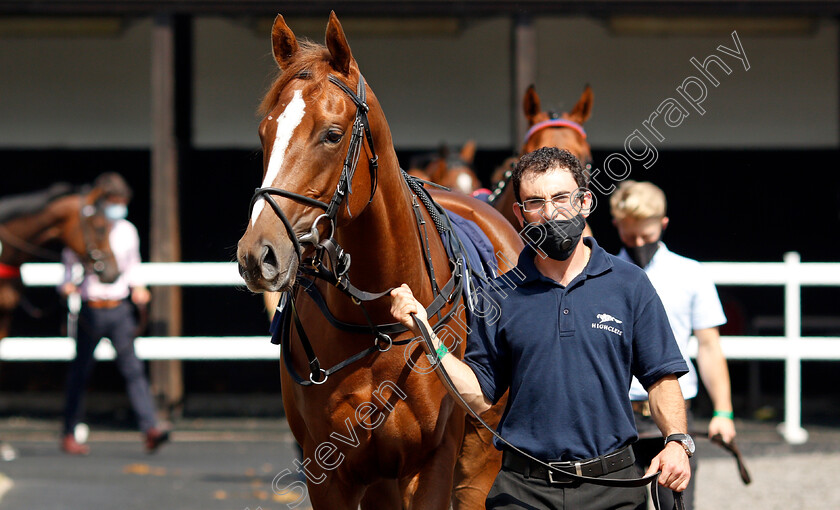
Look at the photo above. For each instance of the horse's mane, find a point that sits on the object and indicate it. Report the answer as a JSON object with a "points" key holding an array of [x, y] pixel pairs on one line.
{"points": [[23, 204], [305, 62]]}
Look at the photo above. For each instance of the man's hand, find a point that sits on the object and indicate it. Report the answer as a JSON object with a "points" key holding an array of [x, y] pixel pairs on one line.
{"points": [[673, 462], [140, 295], [723, 426], [404, 304]]}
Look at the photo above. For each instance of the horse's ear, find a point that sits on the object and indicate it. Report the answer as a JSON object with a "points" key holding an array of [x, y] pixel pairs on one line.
{"points": [[468, 152], [337, 44], [283, 42], [583, 109], [531, 104]]}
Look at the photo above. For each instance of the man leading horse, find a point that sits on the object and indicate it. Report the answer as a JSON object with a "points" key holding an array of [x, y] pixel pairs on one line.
{"points": [[565, 331]]}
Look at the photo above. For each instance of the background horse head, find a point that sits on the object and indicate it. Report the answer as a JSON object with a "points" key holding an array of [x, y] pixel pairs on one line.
{"points": [[547, 129], [452, 170], [455, 171], [31, 222], [332, 188]]}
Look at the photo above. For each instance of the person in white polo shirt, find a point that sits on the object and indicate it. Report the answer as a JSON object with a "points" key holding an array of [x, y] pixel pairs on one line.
{"points": [[107, 312], [692, 305]]}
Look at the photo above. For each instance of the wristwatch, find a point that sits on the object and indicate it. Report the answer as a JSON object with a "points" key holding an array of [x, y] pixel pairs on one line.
{"points": [[685, 440]]}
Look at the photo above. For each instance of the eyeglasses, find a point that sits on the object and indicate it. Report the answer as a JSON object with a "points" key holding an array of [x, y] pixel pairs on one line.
{"points": [[532, 205]]}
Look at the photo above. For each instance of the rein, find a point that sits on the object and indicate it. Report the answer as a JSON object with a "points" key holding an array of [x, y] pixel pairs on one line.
{"points": [[96, 257], [435, 361], [27, 247]]}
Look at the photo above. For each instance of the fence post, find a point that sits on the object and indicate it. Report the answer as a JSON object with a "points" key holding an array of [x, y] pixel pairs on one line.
{"points": [[791, 428]]}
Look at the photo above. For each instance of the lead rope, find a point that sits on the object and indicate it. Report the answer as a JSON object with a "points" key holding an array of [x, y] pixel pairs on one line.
{"points": [[605, 482]]}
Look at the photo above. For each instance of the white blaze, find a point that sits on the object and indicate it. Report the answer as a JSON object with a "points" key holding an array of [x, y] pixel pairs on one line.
{"points": [[287, 122]]}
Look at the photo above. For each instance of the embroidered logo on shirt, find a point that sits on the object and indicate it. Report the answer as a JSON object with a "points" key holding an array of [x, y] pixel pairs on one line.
{"points": [[604, 317]]}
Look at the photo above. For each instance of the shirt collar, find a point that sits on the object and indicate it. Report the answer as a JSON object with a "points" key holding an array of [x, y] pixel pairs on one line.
{"points": [[599, 262]]}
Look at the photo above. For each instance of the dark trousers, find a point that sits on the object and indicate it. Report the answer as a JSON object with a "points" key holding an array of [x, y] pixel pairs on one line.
{"points": [[512, 491], [118, 324], [647, 448]]}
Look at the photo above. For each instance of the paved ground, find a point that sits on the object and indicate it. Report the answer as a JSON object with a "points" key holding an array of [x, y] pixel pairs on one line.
{"points": [[230, 465]]}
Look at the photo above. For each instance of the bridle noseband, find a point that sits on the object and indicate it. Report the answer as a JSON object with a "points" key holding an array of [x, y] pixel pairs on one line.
{"points": [[96, 257]]}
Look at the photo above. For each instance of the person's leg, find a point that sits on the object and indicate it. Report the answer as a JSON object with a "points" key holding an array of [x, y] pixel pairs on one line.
{"points": [[80, 368], [598, 497], [121, 332], [512, 491], [646, 448]]}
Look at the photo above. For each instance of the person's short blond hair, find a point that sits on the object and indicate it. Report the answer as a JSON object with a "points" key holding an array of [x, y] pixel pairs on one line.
{"points": [[637, 200]]}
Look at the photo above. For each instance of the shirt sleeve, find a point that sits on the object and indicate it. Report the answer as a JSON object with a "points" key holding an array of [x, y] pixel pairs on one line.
{"points": [[655, 351], [487, 353], [706, 309], [132, 259]]}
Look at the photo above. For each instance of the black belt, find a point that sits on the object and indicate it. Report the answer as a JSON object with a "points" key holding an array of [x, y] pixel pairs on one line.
{"points": [[597, 466]]}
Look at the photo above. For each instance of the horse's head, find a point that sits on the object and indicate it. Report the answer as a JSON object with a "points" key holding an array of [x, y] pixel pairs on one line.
{"points": [[455, 170], [318, 119], [552, 129], [87, 233]]}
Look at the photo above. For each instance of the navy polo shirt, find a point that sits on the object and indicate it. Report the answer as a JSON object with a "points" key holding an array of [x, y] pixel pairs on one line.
{"points": [[568, 354]]}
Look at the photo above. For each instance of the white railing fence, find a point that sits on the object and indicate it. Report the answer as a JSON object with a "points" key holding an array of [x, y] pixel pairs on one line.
{"points": [[792, 348]]}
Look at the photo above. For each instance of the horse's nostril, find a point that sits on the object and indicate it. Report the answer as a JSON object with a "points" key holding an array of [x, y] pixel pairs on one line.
{"points": [[268, 262]]}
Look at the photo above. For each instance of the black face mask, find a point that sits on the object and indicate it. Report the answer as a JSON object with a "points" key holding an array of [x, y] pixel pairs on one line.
{"points": [[642, 255], [559, 238]]}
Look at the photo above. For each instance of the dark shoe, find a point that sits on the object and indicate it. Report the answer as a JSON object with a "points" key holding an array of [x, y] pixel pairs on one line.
{"points": [[154, 438], [71, 446]]}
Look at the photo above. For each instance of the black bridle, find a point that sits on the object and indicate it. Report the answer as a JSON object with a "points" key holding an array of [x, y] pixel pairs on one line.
{"points": [[335, 274], [96, 258], [361, 127], [331, 263], [93, 257]]}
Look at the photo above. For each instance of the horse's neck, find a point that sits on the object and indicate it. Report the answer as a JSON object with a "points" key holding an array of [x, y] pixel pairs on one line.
{"points": [[385, 245], [38, 229]]}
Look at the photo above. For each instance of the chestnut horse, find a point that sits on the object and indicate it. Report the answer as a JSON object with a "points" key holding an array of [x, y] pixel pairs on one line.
{"points": [[546, 129], [29, 222], [453, 171], [375, 432]]}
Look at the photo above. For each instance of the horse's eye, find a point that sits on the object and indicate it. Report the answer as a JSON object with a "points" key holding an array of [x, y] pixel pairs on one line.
{"points": [[333, 136]]}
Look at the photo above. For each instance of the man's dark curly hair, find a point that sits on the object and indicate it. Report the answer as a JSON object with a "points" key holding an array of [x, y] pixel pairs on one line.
{"points": [[544, 159]]}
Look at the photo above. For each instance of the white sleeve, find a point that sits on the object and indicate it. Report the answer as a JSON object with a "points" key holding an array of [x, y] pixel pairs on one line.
{"points": [[132, 256], [706, 310]]}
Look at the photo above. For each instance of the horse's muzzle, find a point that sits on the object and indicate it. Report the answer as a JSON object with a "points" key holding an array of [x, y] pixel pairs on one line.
{"points": [[264, 269]]}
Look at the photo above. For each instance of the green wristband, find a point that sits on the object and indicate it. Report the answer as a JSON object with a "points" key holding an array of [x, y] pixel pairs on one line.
{"points": [[442, 351], [723, 414]]}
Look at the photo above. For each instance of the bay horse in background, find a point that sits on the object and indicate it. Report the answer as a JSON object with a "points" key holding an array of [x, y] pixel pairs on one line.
{"points": [[31, 222], [451, 170], [545, 129], [332, 187]]}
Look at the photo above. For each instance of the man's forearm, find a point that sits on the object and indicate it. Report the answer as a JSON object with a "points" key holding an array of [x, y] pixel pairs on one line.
{"points": [[463, 378], [711, 364], [667, 406]]}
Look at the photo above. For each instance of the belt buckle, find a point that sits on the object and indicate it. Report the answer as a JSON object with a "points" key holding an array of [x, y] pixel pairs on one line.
{"points": [[563, 464]]}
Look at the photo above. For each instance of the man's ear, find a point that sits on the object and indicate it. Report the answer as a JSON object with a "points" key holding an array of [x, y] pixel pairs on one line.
{"points": [[664, 223], [517, 211]]}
